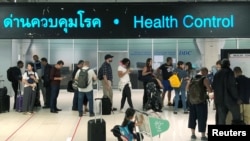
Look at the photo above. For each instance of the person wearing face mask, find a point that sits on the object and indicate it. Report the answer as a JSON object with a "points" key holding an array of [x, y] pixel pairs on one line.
{"points": [[107, 78]]}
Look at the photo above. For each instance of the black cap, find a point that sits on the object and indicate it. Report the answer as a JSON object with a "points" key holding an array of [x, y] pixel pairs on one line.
{"points": [[108, 56]]}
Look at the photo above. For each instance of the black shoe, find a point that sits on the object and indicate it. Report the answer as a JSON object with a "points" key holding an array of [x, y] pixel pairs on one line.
{"points": [[114, 109], [53, 111], [92, 115], [74, 109], [58, 109], [38, 104], [46, 107], [80, 114], [159, 111]]}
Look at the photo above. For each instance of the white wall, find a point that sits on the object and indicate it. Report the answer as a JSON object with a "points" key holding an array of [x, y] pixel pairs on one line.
{"points": [[210, 50], [6, 62]]}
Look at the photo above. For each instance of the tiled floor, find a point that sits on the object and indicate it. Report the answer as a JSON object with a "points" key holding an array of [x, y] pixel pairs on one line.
{"points": [[67, 126]]}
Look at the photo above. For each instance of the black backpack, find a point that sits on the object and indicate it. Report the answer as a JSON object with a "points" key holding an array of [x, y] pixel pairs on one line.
{"points": [[12, 74], [197, 92], [83, 78], [100, 73]]}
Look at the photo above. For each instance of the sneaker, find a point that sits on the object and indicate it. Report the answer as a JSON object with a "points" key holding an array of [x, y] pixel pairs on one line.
{"points": [[170, 104], [193, 137], [186, 112], [204, 138], [175, 112], [122, 111]]}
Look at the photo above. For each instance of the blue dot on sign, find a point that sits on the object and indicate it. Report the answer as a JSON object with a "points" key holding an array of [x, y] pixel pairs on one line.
{"points": [[116, 21]]}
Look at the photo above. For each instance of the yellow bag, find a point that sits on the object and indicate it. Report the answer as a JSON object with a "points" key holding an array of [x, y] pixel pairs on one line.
{"points": [[174, 81]]}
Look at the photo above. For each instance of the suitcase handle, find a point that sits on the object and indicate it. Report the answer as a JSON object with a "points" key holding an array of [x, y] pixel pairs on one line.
{"points": [[100, 106]]}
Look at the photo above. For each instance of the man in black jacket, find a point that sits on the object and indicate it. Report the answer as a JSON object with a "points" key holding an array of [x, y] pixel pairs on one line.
{"points": [[17, 76], [226, 96], [243, 84], [46, 82]]}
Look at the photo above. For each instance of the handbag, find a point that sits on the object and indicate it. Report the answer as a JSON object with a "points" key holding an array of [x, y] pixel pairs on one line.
{"points": [[75, 85], [70, 86]]}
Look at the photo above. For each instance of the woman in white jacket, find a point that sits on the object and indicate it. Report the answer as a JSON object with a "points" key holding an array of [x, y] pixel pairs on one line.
{"points": [[124, 83], [30, 80]]}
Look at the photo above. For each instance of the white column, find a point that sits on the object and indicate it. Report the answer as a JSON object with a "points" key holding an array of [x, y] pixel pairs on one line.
{"points": [[210, 50]]}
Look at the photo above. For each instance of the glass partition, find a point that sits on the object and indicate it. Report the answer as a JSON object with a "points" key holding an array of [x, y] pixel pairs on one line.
{"points": [[138, 50]]}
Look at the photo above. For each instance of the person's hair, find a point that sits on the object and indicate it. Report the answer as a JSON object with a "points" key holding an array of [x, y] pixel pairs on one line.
{"points": [[169, 59], [218, 62], [19, 63], [189, 64], [80, 62], [86, 63], [125, 61], [204, 70], [32, 65], [148, 61], [225, 63], [237, 70], [60, 62], [36, 56], [179, 63], [44, 59], [128, 115]]}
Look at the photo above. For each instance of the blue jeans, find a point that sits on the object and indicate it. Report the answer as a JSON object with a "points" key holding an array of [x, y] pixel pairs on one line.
{"points": [[183, 99], [81, 96], [54, 95]]}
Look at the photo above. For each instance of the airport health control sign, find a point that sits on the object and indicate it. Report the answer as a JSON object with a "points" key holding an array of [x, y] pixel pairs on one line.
{"points": [[124, 20]]}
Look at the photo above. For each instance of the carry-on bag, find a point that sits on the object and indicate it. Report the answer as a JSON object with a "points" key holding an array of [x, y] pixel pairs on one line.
{"points": [[4, 98], [19, 100], [97, 127], [106, 106]]}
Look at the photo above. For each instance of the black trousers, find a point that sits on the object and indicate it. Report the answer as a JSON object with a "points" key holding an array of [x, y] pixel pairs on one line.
{"points": [[222, 111], [48, 96], [126, 94], [15, 89], [198, 112], [145, 96]]}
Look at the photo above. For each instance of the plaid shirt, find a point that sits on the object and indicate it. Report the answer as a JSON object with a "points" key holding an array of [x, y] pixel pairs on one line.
{"points": [[107, 70]]}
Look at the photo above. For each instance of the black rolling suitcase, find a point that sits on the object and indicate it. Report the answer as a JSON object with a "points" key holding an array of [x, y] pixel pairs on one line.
{"points": [[4, 99], [97, 128]]}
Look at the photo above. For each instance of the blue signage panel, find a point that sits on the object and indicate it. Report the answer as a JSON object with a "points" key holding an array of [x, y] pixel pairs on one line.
{"points": [[124, 20]]}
